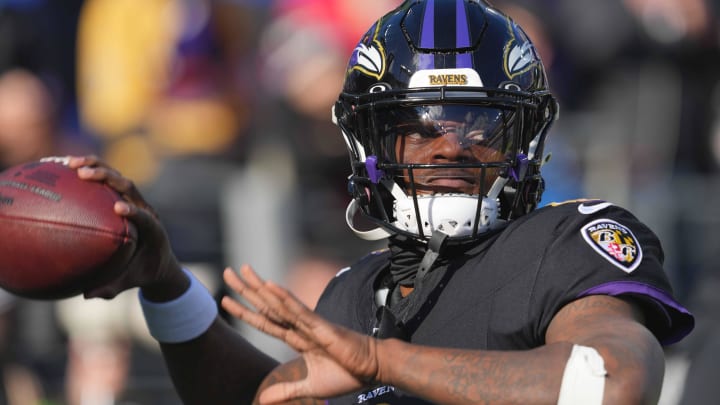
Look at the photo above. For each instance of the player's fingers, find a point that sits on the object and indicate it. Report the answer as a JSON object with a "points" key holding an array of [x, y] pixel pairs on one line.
{"points": [[75, 162], [256, 320], [112, 178], [109, 176], [97, 173], [97, 170], [283, 307], [145, 221], [249, 291], [266, 325], [306, 321], [292, 309], [274, 307], [321, 333], [267, 308], [251, 277], [257, 295], [241, 287], [260, 287], [232, 280], [287, 298], [92, 167]]}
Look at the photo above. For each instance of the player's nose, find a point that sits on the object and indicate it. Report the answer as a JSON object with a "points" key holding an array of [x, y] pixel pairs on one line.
{"points": [[452, 146]]}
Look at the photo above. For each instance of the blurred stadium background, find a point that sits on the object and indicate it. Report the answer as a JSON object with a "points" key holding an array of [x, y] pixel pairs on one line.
{"points": [[219, 110]]}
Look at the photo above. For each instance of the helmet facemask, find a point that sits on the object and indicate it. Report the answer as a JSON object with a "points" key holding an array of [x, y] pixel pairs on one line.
{"points": [[466, 188]]}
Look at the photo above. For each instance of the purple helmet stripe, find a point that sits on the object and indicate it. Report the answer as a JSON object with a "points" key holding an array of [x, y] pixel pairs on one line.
{"points": [[427, 39], [462, 35], [679, 320]]}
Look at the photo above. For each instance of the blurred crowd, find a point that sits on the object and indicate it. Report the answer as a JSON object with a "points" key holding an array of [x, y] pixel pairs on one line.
{"points": [[219, 110]]}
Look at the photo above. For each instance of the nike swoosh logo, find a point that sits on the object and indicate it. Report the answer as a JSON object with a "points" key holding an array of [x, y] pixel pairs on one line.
{"points": [[591, 209]]}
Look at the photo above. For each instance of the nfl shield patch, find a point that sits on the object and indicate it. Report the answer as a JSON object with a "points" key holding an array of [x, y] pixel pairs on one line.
{"points": [[615, 242]]}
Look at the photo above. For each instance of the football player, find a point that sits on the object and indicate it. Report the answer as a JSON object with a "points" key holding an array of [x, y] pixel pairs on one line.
{"points": [[479, 297]]}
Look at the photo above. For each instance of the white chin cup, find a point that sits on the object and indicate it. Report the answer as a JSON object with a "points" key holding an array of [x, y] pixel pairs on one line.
{"points": [[452, 214]]}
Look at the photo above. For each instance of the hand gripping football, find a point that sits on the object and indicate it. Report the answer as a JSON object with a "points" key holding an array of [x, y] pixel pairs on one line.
{"points": [[59, 235]]}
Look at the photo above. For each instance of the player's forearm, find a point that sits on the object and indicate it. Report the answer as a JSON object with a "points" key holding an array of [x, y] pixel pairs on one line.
{"points": [[453, 376], [218, 367], [208, 361]]}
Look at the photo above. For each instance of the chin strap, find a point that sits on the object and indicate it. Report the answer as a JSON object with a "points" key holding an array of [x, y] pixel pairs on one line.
{"points": [[393, 322], [424, 285], [435, 245], [353, 208], [372, 234]]}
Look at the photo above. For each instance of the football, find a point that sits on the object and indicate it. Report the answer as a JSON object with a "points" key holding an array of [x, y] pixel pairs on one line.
{"points": [[59, 235]]}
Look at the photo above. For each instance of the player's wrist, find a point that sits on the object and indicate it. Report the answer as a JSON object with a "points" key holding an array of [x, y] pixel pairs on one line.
{"points": [[385, 352], [170, 283], [182, 318]]}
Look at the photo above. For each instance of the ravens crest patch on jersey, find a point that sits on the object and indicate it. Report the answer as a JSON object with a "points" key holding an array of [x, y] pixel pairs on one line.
{"points": [[614, 242]]}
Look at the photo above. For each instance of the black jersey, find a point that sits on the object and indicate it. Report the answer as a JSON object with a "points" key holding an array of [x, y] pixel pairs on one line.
{"points": [[503, 293]]}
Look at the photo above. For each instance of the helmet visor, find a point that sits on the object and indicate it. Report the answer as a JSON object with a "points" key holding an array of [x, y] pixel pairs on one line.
{"points": [[468, 133], [447, 147]]}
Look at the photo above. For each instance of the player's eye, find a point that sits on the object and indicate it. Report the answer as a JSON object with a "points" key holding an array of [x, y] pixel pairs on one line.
{"points": [[419, 131]]}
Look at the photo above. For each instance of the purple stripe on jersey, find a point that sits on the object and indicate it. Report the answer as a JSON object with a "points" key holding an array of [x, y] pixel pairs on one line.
{"points": [[427, 37], [462, 35], [633, 287]]}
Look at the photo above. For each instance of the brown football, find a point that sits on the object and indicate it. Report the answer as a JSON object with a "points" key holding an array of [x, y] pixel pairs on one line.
{"points": [[59, 235]]}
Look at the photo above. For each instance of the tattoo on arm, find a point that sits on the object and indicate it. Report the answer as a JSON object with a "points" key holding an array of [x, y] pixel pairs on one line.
{"points": [[465, 376], [292, 371]]}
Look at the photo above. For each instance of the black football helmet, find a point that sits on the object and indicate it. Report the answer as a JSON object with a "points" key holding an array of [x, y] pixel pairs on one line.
{"points": [[426, 62]]}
